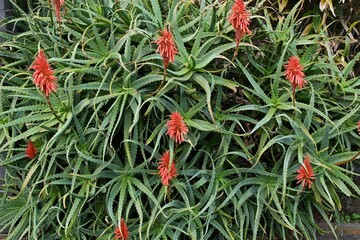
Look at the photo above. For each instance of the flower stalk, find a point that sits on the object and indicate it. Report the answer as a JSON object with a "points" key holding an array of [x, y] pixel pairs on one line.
{"points": [[53, 111]]}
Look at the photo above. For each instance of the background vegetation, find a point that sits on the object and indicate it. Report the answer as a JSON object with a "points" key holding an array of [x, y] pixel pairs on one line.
{"points": [[237, 166]]}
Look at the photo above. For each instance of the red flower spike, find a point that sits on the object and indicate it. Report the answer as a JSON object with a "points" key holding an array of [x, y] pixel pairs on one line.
{"points": [[43, 76], [176, 127], [240, 20], [122, 232], [166, 173], [305, 173], [166, 47], [31, 150], [57, 5], [294, 73], [358, 124]]}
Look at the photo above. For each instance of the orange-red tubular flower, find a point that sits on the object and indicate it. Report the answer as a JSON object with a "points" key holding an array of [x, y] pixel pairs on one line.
{"points": [[294, 73], [305, 173], [166, 171], [122, 231], [43, 76], [166, 47], [57, 6], [31, 150], [176, 127], [240, 20]]}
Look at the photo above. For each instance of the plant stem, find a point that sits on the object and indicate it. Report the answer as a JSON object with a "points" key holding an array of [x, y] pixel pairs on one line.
{"points": [[293, 93], [52, 110], [161, 84], [235, 53], [302, 190]]}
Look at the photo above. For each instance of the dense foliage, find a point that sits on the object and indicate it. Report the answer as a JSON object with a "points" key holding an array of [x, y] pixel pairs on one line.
{"points": [[83, 161]]}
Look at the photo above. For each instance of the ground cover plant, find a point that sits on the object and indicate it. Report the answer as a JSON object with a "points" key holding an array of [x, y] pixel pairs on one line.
{"points": [[177, 119]]}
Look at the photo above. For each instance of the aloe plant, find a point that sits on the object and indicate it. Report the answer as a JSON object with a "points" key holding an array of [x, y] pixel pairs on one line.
{"points": [[97, 161]]}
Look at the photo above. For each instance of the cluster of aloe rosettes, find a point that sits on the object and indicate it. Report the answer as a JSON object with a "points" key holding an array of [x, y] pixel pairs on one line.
{"points": [[239, 17]]}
